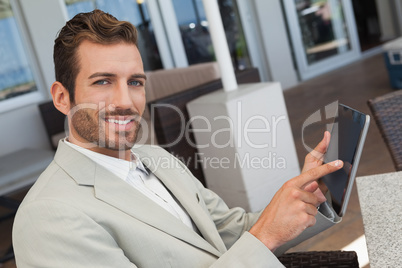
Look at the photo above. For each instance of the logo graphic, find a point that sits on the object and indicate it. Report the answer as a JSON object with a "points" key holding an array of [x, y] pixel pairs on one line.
{"points": [[327, 116]]}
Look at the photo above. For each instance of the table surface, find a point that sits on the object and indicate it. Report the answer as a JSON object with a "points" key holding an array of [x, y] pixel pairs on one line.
{"points": [[380, 199]]}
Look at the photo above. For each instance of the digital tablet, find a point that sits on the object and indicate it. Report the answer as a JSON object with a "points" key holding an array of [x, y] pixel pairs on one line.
{"points": [[347, 139]]}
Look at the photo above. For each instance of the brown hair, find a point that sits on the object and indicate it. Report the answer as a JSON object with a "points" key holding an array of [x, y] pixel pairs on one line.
{"points": [[95, 26]]}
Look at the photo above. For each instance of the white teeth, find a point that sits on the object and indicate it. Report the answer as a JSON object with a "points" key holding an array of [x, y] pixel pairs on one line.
{"points": [[120, 122]]}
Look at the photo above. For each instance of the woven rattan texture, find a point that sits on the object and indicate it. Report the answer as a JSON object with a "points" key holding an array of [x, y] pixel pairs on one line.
{"points": [[387, 113], [322, 259]]}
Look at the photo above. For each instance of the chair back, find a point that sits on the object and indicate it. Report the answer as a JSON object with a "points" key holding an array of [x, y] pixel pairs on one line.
{"points": [[54, 121], [387, 113]]}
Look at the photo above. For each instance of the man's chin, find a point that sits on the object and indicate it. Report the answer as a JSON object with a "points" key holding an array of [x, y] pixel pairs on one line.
{"points": [[123, 147], [117, 145]]}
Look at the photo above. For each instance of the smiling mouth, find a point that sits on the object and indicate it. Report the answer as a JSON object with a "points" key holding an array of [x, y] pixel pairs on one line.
{"points": [[119, 122]]}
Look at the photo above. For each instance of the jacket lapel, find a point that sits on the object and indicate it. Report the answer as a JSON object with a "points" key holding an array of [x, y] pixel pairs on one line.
{"points": [[128, 199], [169, 176]]}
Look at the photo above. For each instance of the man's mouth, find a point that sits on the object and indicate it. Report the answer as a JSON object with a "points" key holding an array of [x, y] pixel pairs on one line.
{"points": [[120, 122]]}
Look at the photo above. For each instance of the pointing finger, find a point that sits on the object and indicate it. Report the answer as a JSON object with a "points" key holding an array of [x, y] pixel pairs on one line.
{"points": [[316, 173]]}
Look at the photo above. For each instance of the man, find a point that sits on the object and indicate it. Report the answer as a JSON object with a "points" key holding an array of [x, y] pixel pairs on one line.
{"points": [[101, 203]]}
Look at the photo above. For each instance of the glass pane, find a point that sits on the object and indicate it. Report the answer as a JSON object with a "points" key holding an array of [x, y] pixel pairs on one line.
{"points": [[128, 10], [76, 6], [197, 41], [15, 73], [323, 28]]}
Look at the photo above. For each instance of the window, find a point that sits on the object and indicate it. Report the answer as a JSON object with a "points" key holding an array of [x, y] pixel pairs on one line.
{"points": [[323, 28], [16, 77], [195, 34]]}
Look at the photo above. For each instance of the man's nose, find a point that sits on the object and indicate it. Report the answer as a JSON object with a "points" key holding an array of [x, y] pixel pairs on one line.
{"points": [[121, 96]]}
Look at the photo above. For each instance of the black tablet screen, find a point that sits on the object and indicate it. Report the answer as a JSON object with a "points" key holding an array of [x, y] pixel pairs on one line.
{"points": [[345, 135]]}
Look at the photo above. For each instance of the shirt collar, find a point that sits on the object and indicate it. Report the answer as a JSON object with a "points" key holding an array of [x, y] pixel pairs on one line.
{"points": [[119, 167]]}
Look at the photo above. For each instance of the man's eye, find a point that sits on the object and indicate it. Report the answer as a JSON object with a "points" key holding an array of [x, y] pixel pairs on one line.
{"points": [[135, 83], [101, 82]]}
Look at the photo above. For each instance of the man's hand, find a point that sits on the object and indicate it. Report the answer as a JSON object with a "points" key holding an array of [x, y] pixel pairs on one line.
{"points": [[293, 208]]}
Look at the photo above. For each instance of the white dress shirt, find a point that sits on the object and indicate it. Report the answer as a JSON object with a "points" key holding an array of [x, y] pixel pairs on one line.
{"points": [[134, 173]]}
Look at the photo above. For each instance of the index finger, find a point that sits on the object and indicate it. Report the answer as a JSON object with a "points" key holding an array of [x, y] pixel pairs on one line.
{"points": [[316, 173]]}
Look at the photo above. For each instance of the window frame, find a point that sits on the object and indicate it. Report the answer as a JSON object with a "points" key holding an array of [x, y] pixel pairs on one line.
{"points": [[31, 97]]}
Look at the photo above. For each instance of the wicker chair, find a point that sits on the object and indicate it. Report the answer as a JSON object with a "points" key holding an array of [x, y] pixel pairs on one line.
{"points": [[313, 259], [387, 113], [11, 205], [54, 122]]}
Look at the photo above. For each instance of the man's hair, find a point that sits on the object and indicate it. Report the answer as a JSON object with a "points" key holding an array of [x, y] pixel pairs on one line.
{"points": [[95, 26]]}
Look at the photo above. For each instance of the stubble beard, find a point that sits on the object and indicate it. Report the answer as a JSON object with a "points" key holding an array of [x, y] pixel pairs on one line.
{"points": [[95, 131]]}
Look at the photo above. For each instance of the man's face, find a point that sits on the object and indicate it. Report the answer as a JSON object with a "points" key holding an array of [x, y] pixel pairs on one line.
{"points": [[109, 97]]}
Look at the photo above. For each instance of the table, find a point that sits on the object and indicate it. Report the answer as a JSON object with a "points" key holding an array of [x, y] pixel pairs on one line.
{"points": [[381, 205]]}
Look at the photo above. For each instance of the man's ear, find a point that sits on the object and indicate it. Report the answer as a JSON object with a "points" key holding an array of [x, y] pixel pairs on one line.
{"points": [[61, 97]]}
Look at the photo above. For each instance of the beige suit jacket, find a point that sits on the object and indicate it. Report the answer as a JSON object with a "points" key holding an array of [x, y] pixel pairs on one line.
{"points": [[78, 214]]}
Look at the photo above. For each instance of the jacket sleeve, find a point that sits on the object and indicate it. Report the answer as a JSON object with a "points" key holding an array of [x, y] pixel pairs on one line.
{"points": [[233, 224]]}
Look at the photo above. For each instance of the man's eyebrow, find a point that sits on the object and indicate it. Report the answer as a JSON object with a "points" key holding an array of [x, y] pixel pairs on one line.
{"points": [[143, 76], [94, 75]]}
